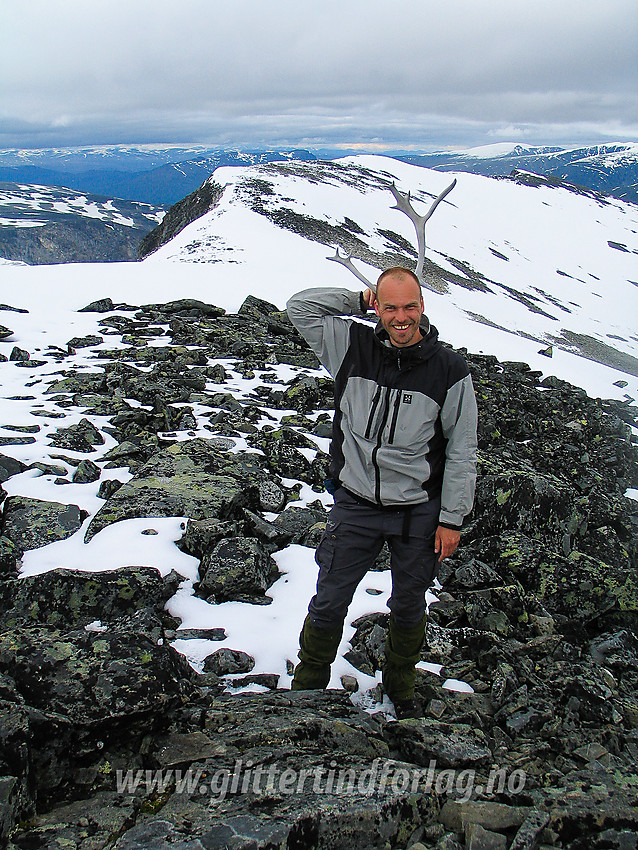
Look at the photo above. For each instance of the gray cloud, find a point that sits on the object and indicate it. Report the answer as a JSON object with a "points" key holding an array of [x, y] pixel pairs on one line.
{"points": [[397, 71]]}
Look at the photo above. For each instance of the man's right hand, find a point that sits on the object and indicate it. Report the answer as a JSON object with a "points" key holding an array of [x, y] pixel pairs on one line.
{"points": [[369, 298]]}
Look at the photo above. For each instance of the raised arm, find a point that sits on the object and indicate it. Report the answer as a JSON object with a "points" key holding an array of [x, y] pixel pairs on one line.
{"points": [[320, 317]]}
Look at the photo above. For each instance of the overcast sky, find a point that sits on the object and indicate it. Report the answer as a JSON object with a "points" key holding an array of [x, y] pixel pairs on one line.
{"points": [[418, 74]]}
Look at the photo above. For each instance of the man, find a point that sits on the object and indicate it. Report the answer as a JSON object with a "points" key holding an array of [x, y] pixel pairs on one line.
{"points": [[403, 466]]}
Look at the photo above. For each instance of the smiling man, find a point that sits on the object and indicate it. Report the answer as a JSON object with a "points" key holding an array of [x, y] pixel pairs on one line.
{"points": [[403, 467], [399, 305]]}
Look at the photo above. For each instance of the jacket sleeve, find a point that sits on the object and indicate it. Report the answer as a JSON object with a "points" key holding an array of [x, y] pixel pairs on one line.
{"points": [[459, 422], [318, 314]]}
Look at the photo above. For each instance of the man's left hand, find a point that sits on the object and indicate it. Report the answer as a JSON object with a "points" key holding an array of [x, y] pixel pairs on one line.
{"points": [[446, 541]]}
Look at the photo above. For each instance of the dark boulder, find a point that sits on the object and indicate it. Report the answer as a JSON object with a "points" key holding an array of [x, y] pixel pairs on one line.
{"points": [[92, 677], [10, 466], [103, 305], [85, 693], [19, 355], [301, 525], [84, 341], [201, 536], [86, 472], [450, 746], [238, 568], [225, 661], [191, 479], [70, 599], [32, 523], [82, 437]]}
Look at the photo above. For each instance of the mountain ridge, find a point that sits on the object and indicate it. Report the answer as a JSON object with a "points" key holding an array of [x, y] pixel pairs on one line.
{"points": [[493, 236], [610, 168]]}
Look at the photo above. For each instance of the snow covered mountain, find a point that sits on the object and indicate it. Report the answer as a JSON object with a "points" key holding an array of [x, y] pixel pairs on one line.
{"points": [[611, 169], [543, 264], [101, 157], [44, 224], [165, 174], [511, 268]]}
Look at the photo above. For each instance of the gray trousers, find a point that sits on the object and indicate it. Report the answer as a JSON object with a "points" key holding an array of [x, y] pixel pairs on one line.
{"points": [[354, 536]]}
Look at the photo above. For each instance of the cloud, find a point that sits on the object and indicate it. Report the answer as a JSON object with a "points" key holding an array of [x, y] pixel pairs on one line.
{"points": [[232, 73]]}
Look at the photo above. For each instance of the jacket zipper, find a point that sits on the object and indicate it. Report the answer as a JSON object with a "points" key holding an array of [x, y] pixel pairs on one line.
{"points": [[375, 450], [397, 402], [373, 409], [395, 416]]}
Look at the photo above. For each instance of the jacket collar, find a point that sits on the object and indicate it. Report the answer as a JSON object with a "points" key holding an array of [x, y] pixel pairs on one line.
{"points": [[422, 350]]}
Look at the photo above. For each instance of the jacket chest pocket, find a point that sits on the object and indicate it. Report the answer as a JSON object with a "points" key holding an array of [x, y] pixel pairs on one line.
{"points": [[389, 416], [411, 421], [362, 405]]}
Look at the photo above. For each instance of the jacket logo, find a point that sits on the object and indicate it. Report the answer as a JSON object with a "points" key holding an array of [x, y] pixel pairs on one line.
{"points": [[407, 398]]}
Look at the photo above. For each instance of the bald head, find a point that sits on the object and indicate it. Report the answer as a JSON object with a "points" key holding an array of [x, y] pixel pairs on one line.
{"points": [[399, 305], [399, 274]]}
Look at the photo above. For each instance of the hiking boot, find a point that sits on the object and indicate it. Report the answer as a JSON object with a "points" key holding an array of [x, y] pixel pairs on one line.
{"points": [[407, 708], [402, 654], [317, 651]]}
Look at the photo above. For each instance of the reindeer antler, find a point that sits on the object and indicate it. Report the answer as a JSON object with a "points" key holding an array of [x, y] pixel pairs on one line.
{"points": [[404, 205], [347, 262]]}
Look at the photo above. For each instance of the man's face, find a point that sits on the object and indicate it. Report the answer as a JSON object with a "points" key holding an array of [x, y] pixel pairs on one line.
{"points": [[399, 305]]}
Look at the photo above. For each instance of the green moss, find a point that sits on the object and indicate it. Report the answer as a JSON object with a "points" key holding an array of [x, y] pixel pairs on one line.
{"points": [[626, 594], [152, 805], [625, 780], [502, 496], [513, 556], [61, 650]]}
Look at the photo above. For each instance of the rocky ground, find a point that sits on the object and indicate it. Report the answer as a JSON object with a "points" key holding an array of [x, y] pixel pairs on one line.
{"points": [[110, 739]]}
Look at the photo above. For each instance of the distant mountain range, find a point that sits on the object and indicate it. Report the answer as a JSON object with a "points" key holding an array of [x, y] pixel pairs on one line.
{"points": [[610, 169], [153, 176], [164, 175]]}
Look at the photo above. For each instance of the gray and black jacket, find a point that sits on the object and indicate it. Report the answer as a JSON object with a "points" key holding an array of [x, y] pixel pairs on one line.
{"points": [[404, 429]]}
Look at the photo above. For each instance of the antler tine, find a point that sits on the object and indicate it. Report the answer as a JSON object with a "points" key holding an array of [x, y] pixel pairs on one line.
{"points": [[347, 262], [404, 205], [440, 198]]}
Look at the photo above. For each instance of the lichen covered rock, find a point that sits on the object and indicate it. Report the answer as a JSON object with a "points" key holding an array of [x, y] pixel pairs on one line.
{"points": [[68, 599], [238, 568], [32, 523], [186, 479]]}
